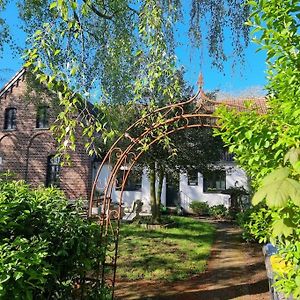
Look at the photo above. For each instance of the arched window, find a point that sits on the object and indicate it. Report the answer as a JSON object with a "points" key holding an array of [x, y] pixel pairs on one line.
{"points": [[42, 117], [10, 118], [53, 171]]}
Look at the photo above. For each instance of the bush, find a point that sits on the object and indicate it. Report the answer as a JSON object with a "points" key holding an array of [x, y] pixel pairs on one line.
{"points": [[46, 248], [256, 223], [218, 211], [200, 208]]}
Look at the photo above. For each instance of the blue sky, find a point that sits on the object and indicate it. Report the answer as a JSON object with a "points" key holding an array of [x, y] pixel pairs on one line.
{"points": [[242, 79]]}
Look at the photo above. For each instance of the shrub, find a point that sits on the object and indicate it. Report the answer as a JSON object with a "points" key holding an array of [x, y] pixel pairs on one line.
{"points": [[200, 208], [46, 248], [256, 223], [218, 211]]}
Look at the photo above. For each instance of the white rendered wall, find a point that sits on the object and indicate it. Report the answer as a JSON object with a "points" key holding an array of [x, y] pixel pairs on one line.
{"points": [[234, 177], [130, 196]]}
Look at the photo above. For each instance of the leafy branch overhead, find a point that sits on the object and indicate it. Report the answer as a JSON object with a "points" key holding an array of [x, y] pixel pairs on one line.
{"points": [[121, 50]]}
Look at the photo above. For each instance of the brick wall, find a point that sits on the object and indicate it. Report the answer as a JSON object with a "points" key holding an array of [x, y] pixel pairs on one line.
{"points": [[24, 151]]}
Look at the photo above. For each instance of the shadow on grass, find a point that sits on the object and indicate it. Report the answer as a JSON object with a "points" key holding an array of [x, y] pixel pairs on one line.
{"points": [[169, 254]]}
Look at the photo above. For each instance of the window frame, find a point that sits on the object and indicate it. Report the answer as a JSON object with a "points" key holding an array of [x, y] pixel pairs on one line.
{"points": [[42, 117], [193, 181], [130, 185], [210, 180], [53, 177], [10, 118]]}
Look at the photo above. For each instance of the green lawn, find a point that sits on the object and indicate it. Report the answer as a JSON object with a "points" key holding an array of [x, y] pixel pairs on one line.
{"points": [[164, 254]]}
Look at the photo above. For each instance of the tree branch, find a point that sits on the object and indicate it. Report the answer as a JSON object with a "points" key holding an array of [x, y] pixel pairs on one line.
{"points": [[133, 10], [97, 12]]}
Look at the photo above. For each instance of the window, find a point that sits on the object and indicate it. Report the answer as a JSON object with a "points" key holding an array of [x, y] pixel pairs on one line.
{"points": [[214, 181], [133, 182], [10, 118], [226, 156], [53, 170], [192, 177], [42, 118]]}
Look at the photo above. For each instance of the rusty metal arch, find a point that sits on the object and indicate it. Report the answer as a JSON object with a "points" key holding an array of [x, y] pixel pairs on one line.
{"points": [[171, 119]]}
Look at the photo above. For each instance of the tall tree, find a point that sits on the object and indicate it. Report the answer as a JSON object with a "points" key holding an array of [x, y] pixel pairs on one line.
{"points": [[121, 50], [117, 51]]}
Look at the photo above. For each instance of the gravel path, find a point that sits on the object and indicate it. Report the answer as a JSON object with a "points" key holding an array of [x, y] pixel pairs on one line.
{"points": [[235, 271]]}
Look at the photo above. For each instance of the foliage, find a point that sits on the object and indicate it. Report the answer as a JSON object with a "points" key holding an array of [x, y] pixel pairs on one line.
{"points": [[118, 51], [285, 218], [122, 52], [256, 224], [167, 254], [200, 208], [267, 143], [218, 211], [46, 247]]}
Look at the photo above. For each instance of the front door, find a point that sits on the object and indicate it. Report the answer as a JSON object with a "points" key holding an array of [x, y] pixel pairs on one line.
{"points": [[172, 192]]}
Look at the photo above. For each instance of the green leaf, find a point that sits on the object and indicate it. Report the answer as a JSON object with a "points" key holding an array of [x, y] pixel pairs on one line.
{"points": [[297, 280], [18, 275], [277, 189], [276, 175], [53, 5], [248, 135], [293, 156], [280, 228]]}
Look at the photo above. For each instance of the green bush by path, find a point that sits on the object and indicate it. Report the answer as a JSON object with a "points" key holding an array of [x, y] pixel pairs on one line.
{"points": [[46, 248], [256, 224], [164, 254], [200, 208], [218, 211]]}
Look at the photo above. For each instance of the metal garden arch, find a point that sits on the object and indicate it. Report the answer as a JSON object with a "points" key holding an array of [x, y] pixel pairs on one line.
{"points": [[167, 120]]}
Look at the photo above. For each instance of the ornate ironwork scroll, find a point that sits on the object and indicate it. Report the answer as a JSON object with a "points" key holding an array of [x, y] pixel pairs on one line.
{"points": [[125, 153]]}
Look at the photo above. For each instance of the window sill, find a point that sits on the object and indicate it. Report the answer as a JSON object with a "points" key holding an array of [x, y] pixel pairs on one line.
{"points": [[214, 192], [42, 128]]}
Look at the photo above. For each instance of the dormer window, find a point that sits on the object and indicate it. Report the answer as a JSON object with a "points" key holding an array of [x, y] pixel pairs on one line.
{"points": [[42, 117], [10, 118]]}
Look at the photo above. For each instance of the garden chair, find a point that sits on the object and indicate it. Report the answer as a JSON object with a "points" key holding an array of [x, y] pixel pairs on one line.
{"points": [[135, 211]]}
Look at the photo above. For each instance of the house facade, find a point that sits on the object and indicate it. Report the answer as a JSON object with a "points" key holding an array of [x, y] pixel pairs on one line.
{"points": [[27, 149], [185, 188]]}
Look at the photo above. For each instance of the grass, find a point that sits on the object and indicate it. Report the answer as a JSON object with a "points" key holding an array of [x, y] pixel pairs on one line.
{"points": [[164, 254]]}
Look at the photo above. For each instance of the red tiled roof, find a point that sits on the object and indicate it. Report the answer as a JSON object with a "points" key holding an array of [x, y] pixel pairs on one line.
{"points": [[259, 104]]}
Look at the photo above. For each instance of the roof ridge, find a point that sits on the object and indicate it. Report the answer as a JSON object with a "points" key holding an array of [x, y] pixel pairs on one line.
{"points": [[10, 84]]}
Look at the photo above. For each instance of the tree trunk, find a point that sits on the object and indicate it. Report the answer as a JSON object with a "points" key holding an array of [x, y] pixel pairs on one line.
{"points": [[161, 175], [153, 202]]}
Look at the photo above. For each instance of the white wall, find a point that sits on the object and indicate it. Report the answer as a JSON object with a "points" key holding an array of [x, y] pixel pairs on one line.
{"points": [[130, 196], [234, 177]]}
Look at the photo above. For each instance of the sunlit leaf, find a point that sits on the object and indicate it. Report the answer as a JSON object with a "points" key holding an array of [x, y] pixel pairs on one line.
{"points": [[280, 228]]}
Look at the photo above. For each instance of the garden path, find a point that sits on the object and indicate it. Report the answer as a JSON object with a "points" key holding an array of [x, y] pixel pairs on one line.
{"points": [[235, 271]]}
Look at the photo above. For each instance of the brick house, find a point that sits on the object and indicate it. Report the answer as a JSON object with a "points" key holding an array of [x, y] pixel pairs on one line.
{"points": [[27, 147]]}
